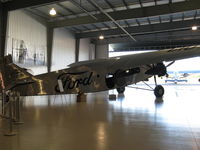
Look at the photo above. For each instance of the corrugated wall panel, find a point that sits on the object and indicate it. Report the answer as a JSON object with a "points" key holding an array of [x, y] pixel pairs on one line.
{"points": [[63, 49], [22, 27], [84, 49]]}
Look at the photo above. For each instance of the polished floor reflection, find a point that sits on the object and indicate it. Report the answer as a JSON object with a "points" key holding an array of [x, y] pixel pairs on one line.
{"points": [[133, 121]]}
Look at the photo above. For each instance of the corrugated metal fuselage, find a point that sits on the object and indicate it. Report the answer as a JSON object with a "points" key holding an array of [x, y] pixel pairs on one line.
{"points": [[80, 79]]}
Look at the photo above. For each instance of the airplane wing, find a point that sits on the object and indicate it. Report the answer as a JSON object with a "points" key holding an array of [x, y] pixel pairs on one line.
{"points": [[166, 55]]}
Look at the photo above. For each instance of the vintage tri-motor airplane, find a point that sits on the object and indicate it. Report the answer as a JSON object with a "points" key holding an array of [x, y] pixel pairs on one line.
{"points": [[93, 75]]}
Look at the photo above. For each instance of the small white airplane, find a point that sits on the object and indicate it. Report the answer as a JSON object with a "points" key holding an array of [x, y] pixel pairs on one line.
{"points": [[93, 75], [180, 76], [175, 77]]}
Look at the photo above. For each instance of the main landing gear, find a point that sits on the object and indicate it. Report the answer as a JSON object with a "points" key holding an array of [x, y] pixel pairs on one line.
{"points": [[158, 90], [121, 90]]}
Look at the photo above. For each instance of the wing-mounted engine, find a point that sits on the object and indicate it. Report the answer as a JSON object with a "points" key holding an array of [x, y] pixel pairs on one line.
{"points": [[119, 78], [158, 69]]}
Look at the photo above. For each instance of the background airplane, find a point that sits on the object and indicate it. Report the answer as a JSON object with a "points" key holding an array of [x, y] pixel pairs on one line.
{"points": [[180, 76], [184, 71]]}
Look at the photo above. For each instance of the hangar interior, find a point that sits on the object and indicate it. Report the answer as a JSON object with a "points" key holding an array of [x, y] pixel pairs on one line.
{"points": [[45, 43]]}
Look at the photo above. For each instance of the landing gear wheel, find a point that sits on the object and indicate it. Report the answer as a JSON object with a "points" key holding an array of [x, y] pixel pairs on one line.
{"points": [[121, 90], [159, 91]]}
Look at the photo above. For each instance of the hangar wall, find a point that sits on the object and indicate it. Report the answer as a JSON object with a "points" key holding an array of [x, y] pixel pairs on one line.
{"points": [[23, 27], [63, 49], [102, 51], [84, 51], [92, 51]]}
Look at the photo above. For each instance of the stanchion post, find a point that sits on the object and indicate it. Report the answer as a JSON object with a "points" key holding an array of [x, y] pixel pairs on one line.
{"points": [[13, 106], [3, 102], [18, 115], [10, 132]]}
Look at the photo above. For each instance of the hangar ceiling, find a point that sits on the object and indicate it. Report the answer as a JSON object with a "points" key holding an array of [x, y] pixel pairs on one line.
{"points": [[132, 24]]}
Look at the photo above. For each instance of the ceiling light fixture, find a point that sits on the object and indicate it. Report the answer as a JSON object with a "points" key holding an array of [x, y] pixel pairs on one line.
{"points": [[194, 28], [101, 37], [52, 12]]}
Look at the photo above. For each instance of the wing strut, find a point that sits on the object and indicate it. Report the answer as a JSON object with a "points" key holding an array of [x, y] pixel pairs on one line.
{"points": [[154, 76], [155, 80]]}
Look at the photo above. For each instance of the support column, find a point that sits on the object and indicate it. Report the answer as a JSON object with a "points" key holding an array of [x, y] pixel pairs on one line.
{"points": [[92, 51], [102, 51], [49, 48], [77, 48], [95, 51], [3, 28]]}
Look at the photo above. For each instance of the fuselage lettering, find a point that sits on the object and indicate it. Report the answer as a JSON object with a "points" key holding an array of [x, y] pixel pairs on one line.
{"points": [[72, 80]]}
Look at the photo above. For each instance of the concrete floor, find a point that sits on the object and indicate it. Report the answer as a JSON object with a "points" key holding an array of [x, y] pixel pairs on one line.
{"points": [[131, 122]]}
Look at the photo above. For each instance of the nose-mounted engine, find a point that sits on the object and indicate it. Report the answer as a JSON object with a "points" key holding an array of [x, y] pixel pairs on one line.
{"points": [[119, 77], [158, 69]]}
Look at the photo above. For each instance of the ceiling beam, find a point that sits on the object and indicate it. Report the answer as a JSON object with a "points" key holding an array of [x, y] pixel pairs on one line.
{"points": [[67, 9], [131, 13], [146, 45], [39, 18], [160, 27], [125, 4], [178, 35], [155, 43], [20, 4], [110, 5]]}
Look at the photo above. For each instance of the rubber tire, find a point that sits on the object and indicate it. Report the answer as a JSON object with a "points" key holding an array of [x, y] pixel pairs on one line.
{"points": [[159, 91], [121, 90]]}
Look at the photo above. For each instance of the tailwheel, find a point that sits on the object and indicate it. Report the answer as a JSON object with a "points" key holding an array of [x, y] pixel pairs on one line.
{"points": [[159, 91], [121, 90]]}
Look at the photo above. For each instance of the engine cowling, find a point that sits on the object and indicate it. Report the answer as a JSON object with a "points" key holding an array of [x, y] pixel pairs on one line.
{"points": [[158, 69], [119, 77]]}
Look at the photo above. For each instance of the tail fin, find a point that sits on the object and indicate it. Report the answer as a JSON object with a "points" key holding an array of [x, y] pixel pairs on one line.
{"points": [[11, 74]]}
